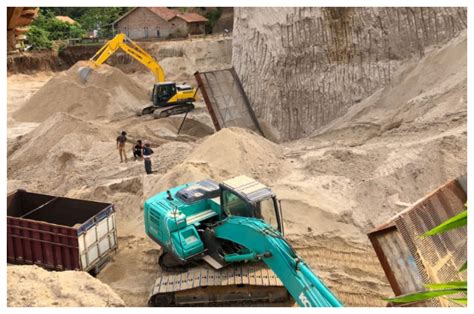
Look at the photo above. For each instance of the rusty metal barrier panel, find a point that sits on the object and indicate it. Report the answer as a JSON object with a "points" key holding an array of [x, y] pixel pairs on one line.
{"points": [[226, 100], [410, 261]]}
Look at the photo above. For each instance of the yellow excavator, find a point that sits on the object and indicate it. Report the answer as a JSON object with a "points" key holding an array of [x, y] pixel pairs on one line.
{"points": [[168, 98]]}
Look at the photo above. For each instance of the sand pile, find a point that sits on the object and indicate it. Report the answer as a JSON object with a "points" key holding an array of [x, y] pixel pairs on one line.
{"points": [[30, 286], [62, 153], [227, 153], [235, 150], [161, 130], [127, 196], [56, 143], [108, 94]]}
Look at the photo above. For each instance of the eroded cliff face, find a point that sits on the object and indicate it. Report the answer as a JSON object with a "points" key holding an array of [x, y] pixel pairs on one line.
{"points": [[303, 67]]}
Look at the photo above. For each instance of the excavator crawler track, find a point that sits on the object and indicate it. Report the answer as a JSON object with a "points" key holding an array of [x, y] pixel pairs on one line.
{"points": [[164, 112], [231, 286], [159, 113]]}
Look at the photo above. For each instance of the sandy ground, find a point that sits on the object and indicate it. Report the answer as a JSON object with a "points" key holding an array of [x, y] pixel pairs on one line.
{"points": [[388, 151], [20, 88], [33, 286]]}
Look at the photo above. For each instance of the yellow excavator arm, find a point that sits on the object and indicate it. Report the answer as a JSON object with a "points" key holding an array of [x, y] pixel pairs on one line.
{"points": [[121, 41]]}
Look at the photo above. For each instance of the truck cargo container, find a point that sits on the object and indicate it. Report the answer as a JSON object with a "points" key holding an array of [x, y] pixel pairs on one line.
{"points": [[59, 233]]}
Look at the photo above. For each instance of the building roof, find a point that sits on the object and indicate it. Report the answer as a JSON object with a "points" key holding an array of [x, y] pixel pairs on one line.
{"points": [[165, 13], [192, 17], [168, 14], [65, 19]]}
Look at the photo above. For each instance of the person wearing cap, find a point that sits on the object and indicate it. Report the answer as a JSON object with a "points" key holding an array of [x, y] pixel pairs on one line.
{"points": [[121, 139], [147, 152]]}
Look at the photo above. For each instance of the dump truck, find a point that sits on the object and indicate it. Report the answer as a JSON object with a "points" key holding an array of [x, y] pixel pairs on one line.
{"points": [[59, 233]]}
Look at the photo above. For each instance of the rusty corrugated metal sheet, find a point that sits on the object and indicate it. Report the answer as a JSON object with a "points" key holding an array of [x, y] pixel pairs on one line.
{"points": [[226, 100], [410, 261]]}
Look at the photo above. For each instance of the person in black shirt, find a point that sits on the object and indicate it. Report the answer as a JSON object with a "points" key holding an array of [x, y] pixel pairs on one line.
{"points": [[147, 152], [121, 139], [138, 150]]}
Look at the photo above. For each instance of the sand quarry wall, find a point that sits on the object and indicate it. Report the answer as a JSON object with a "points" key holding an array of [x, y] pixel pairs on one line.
{"points": [[303, 67], [393, 147], [181, 59]]}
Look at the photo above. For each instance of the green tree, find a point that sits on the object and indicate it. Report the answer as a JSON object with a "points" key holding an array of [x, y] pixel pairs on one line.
{"points": [[38, 38], [56, 29], [101, 19], [212, 18], [61, 30], [446, 288], [73, 12]]}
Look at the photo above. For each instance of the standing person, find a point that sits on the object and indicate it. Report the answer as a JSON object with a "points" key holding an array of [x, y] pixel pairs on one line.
{"points": [[147, 152], [138, 150], [121, 139]]}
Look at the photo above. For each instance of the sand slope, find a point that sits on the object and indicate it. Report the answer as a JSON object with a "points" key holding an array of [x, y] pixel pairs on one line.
{"points": [[395, 146], [108, 94], [31, 286], [57, 149], [227, 153]]}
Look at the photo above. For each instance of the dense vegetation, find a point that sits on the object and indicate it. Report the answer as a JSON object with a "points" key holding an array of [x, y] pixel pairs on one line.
{"points": [[46, 28], [212, 17]]}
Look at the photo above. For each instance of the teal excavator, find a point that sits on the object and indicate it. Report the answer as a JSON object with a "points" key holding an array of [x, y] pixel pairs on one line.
{"points": [[223, 244]]}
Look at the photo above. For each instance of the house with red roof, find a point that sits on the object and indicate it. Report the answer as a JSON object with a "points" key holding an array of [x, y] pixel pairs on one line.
{"points": [[159, 22]]}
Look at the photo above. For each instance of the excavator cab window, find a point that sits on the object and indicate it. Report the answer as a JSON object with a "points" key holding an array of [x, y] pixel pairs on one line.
{"points": [[163, 92], [234, 205], [267, 209]]}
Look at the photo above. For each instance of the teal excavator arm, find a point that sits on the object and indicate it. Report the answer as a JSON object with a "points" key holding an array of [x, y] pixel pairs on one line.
{"points": [[268, 245]]}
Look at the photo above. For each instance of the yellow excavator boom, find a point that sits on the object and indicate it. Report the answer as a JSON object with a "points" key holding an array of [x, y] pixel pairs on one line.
{"points": [[121, 41]]}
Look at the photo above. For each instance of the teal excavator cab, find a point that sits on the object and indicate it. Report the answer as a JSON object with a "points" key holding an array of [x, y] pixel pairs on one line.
{"points": [[236, 222]]}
